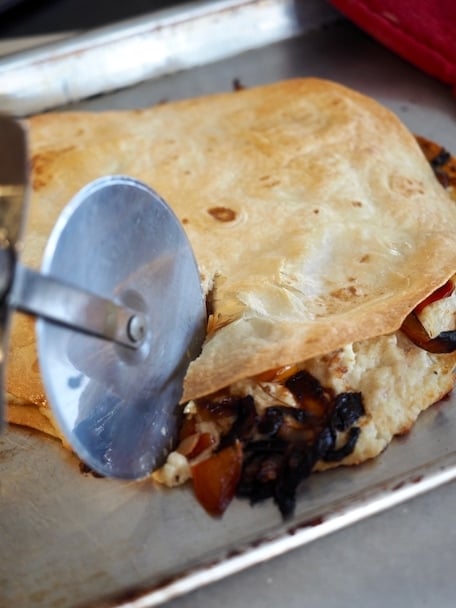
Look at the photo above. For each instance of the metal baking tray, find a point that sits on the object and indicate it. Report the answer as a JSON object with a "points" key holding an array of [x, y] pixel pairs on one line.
{"points": [[70, 539]]}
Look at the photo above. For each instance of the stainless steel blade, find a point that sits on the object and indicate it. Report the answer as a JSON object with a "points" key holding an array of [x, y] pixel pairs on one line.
{"points": [[119, 407]]}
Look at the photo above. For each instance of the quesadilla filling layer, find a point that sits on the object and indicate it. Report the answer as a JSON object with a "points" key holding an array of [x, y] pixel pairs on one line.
{"points": [[262, 436]]}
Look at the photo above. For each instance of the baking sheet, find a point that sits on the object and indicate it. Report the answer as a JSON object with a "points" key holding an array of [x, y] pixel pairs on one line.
{"points": [[69, 539], [141, 48]]}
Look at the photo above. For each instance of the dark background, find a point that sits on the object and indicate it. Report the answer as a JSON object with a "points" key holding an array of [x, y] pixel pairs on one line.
{"points": [[30, 17]]}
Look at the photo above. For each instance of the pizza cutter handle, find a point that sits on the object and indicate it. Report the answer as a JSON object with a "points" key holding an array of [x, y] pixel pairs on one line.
{"points": [[59, 302]]}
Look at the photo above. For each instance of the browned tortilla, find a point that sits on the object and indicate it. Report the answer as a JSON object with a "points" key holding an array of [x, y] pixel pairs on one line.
{"points": [[315, 219]]}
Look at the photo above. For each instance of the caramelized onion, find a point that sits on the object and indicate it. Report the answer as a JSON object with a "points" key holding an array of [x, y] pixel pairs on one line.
{"points": [[269, 455], [279, 374], [445, 342], [290, 440]]}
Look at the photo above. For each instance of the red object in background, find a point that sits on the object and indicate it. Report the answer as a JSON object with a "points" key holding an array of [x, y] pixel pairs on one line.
{"points": [[421, 31]]}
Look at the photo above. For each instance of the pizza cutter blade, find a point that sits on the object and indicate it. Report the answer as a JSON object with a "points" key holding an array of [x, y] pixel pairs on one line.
{"points": [[120, 313], [118, 405]]}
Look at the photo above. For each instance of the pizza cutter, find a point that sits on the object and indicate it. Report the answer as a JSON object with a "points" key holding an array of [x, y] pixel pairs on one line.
{"points": [[120, 313]]}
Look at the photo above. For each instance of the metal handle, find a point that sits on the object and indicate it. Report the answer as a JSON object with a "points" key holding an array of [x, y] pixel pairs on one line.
{"points": [[43, 296]]}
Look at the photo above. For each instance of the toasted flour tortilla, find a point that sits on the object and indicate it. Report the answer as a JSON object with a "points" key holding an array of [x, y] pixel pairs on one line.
{"points": [[315, 219]]}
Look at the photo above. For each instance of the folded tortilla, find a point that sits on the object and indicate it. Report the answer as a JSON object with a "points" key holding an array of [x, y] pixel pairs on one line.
{"points": [[316, 221]]}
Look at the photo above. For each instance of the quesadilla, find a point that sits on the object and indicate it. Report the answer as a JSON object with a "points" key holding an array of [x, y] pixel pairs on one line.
{"points": [[326, 248]]}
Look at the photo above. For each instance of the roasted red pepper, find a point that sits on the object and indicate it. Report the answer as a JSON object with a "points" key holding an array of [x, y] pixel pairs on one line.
{"points": [[216, 478], [445, 342]]}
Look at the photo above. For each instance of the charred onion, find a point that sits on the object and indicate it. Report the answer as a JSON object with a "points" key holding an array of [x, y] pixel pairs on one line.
{"points": [[445, 342], [268, 455]]}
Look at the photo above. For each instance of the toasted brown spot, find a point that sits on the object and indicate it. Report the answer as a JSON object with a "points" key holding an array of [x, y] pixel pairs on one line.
{"points": [[316, 211], [268, 181], [357, 204], [185, 220], [365, 258], [222, 214], [345, 293], [41, 166], [406, 186], [40, 163]]}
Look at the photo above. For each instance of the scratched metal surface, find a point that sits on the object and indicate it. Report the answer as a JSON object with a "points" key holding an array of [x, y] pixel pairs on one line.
{"points": [[167, 41], [69, 539]]}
